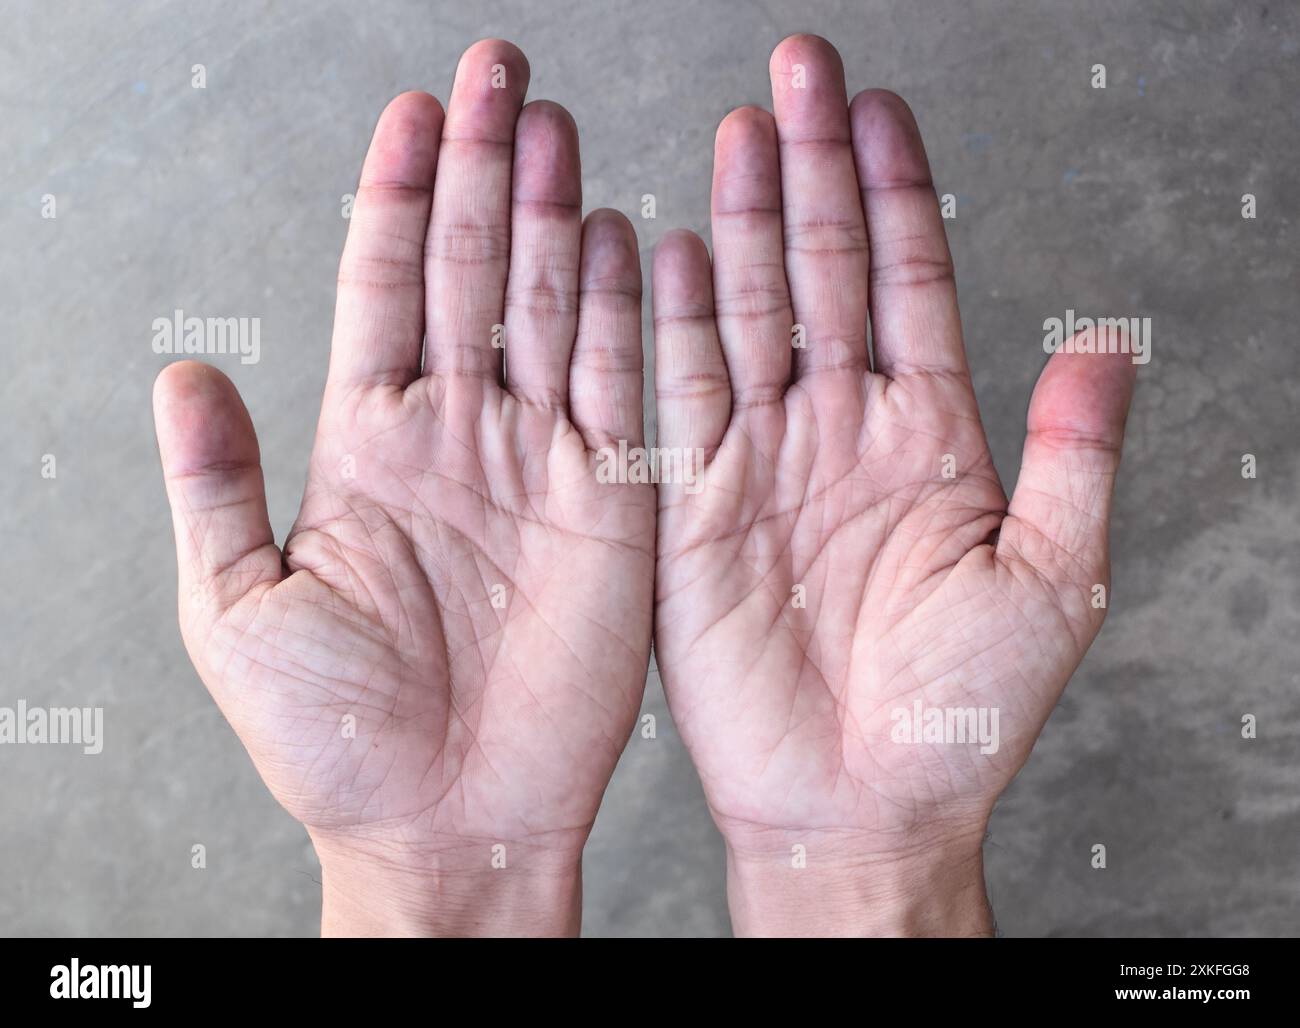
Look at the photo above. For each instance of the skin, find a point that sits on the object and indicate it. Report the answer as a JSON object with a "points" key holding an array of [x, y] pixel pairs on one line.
{"points": [[409, 722], [826, 470], [414, 726]]}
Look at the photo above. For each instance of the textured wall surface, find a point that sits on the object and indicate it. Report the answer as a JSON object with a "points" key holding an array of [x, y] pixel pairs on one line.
{"points": [[226, 200]]}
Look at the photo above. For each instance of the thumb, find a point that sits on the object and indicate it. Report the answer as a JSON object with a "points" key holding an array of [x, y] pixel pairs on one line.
{"points": [[1059, 517], [212, 469]]}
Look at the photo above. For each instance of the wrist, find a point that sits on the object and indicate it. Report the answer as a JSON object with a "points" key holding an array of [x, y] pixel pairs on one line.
{"points": [[842, 885], [459, 891]]}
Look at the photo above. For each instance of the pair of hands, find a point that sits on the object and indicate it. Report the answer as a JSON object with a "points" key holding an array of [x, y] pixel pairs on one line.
{"points": [[438, 673]]}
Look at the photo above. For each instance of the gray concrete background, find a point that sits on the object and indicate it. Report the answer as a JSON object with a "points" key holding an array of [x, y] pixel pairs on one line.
{"points": [[226, 201]]}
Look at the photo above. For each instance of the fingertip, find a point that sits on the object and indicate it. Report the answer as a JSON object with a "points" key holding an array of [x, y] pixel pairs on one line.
{"points": [[493, 65], [182, 383], [547, 116], [412, 109], [802, 48], [547, 165], [748, 124], [609, 242], [745, 151], [682, 276], [881, 103], [886, 138], [606, 221], [679, 247], [200, 419], [404, 146], [1086, 389], [808, 92], [494, 50], [746, 165]]}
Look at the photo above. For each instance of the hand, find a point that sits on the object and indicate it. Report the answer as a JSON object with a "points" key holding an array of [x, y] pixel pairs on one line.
{"points": [[826, 482], [449, 655]]}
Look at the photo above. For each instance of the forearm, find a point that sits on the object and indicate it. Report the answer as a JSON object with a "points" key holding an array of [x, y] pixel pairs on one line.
{"points": [[936, 889], [372, 895]]}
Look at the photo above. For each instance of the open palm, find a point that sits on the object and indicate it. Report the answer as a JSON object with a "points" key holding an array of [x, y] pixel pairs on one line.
{"points": [[849, 551], [445, 663]]}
